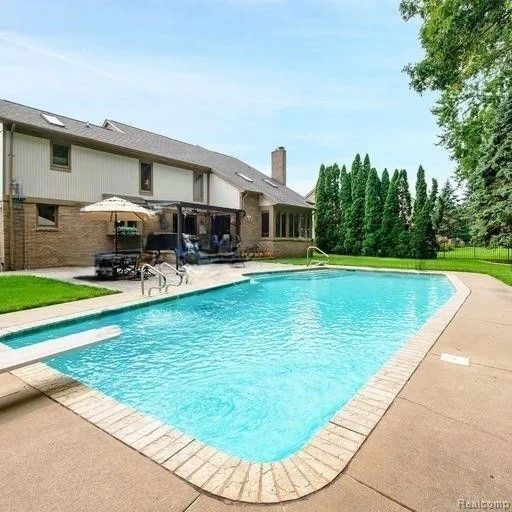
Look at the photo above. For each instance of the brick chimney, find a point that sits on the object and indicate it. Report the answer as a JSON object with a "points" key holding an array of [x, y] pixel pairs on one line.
{"points": [[279, 165]]}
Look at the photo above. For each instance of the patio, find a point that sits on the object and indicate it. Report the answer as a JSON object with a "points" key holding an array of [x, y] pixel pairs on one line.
{"points": [[457, 450]]}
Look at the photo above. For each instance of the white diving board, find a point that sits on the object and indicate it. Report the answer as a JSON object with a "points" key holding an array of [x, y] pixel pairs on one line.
{"points": [[12, 359]]}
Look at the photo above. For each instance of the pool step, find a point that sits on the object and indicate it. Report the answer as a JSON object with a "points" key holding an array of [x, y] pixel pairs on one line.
{"points": [[303, 275]]}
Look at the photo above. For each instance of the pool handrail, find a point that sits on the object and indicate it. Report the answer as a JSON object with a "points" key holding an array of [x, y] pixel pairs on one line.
{"points": [[181, 273], [317, 249], [160, 275]]}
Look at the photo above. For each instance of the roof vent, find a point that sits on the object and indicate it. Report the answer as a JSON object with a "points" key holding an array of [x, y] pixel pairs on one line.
{"points": [[111, 126], [49, 118]]}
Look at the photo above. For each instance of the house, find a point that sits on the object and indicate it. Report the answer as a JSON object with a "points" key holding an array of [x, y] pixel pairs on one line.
{"points": [[52, 165], [310, 196]]}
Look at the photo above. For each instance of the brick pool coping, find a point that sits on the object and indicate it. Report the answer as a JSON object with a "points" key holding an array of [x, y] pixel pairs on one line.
{"points": [[314, 466]]}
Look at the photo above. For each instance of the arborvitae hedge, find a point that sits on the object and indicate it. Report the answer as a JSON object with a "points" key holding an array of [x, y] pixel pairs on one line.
{"points": [[358, 213]]}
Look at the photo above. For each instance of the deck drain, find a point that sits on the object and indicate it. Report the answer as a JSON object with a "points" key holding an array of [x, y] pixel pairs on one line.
{"points": [[452, 358]]}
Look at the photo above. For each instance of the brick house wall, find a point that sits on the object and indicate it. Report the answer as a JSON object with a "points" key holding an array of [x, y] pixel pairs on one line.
{"points": [[73, 242], [76, 238], [251, 229], [251, 222], [286, 248]]}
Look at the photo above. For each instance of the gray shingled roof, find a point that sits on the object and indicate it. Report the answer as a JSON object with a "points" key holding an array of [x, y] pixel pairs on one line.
{"points": [[136, 139]]}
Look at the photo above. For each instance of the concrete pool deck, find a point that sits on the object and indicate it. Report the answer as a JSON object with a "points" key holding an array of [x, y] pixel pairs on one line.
{"points": [[446, 436]]}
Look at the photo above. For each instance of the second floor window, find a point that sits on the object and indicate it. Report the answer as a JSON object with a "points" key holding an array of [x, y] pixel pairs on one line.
{"points": [[198, 192], [146, 177], [61, 156]]}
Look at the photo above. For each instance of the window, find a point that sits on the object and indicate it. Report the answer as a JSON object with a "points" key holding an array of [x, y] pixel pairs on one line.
{"points": [[293, 225], [281, 225], [265, 224], [246, 178], [271, 183], [146, 178], [61, 156], [47, 215], [52, 120], [306, 225], [198, 191]]}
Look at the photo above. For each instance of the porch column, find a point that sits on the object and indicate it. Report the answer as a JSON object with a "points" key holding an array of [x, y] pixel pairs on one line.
{"points": [[179, 246]]}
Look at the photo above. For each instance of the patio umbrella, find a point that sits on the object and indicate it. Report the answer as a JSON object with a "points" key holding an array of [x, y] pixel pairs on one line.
{"points": [[116, 209]]}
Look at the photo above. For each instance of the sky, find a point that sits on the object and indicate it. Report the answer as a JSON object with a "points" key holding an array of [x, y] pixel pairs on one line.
{"points": [[321, 77]]}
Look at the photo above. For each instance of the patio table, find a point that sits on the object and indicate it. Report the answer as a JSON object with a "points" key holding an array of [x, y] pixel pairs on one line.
{"points": [[113, 265]]}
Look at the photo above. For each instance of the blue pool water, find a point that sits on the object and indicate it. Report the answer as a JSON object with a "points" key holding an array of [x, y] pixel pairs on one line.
{"points": [[257, 368]]}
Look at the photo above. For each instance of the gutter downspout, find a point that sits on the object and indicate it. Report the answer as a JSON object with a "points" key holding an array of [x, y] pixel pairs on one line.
{"points": [[10, 176]]}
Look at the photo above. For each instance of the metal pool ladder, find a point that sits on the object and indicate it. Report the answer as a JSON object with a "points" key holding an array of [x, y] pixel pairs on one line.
{"points": [[162, 277], [312, 261]]}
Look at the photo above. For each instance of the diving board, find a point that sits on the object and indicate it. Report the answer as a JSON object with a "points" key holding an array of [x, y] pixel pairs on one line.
{"points": [[12, 359]]}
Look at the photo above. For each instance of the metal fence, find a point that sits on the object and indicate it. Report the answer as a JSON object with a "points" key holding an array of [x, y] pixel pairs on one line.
{"points": [[495, 254]]}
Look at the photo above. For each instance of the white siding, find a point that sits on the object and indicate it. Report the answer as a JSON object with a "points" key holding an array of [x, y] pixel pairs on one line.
{"points": [[93, 173], [223, 193], [172, 183]]}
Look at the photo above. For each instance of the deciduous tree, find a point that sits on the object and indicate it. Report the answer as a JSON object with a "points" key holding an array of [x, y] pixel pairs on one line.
{"points": [[467, 58]]}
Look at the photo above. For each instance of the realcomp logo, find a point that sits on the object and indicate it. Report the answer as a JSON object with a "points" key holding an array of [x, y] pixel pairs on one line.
{"points": [[483, 504]]}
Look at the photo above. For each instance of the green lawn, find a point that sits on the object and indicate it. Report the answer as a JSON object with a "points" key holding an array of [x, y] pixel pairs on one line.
{"points": [[24, 292], [501, 271]]}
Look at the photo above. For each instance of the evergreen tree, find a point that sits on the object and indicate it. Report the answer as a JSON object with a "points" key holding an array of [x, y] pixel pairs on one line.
{"points": [[378, 184], [390, 217], [404, 198], [433, 193], [491, 183], [372, 215], [450, 217], [445, 211], [345, 202], [421, 193], [354, 238], [402, 226], [367, 167], [332, 207], [384, 185], [321, 199], [423, 243]]}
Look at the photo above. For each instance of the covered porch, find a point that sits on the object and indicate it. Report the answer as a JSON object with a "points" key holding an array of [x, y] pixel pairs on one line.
{"points": [[207, 232]]}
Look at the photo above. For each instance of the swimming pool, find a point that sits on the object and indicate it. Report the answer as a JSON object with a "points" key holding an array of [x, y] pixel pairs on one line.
{"points": [[254, 369]]}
